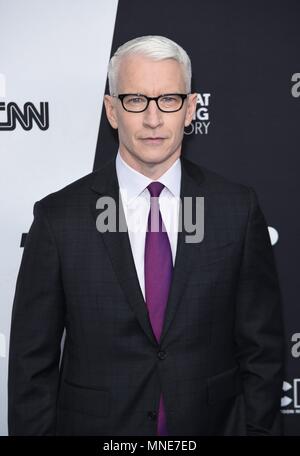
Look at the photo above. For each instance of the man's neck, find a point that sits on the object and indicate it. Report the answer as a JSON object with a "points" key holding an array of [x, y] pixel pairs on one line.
{"points": [[151, 170]]}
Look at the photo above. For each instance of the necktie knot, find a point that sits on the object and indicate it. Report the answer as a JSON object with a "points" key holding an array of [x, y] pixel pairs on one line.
{"points": [[155, 188]]}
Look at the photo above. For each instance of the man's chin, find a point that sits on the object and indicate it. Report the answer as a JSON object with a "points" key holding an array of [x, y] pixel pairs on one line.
{"points": [[151, 156], [155, 158], [154, 154]]}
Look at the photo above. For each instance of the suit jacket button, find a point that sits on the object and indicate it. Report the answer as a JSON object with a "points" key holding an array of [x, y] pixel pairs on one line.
{"points": [[152, 415], [162, 354]]}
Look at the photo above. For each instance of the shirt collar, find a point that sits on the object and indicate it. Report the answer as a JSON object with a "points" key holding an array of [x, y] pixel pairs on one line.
{"points": [[133, 183]]}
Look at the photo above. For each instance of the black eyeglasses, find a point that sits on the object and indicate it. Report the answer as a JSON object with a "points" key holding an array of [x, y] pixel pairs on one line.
{"points": [[137, 102]]}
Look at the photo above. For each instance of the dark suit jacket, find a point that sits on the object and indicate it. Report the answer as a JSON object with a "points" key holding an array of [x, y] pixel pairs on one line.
{"points": [[219, 363]]}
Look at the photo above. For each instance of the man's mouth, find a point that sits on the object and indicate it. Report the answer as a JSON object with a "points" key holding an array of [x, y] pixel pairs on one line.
{"points": [[153, 140]]}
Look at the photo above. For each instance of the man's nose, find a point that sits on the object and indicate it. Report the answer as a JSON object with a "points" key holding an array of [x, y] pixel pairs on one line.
{"points": [[152, 115]]}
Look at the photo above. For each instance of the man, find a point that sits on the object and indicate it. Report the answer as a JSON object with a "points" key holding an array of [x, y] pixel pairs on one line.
{"points": [[164, 335]]}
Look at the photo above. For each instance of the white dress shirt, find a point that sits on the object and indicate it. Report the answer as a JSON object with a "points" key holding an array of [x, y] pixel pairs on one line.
{"points": [[136, 202]]}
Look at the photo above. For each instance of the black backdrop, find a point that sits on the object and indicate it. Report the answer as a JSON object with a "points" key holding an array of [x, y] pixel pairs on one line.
{"points": [[246, 63]]}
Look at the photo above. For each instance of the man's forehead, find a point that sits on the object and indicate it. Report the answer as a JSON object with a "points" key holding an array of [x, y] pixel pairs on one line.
{"points": [[151, 91], [139, 74]]}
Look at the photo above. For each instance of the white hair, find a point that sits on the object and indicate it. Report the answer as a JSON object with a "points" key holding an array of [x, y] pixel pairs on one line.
{"points": [[156, 48]]}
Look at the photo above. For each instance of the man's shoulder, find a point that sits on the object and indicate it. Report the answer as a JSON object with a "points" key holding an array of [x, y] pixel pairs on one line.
{"points": [[78, 190], [212, 181]]}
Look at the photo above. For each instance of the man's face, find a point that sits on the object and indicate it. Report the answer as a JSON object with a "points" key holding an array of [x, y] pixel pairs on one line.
{"points": [[139, 74]]}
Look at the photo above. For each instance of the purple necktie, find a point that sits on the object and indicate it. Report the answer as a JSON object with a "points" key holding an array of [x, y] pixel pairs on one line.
{"points": [[158, 275]]}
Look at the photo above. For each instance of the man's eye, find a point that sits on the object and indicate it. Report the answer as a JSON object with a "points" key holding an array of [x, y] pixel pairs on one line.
{"points": [[168, 99], [136, 100]]}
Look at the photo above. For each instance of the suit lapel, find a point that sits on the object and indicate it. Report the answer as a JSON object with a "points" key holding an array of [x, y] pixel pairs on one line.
{"points": [[118, 246], [186, 252], [119, 250]]}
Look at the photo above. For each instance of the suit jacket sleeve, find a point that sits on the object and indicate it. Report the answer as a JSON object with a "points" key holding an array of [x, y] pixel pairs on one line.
{"points": [[259, 328], [36, 331]]}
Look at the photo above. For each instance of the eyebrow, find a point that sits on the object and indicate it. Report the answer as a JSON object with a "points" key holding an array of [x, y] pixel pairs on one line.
{"points": [[144, 92]]}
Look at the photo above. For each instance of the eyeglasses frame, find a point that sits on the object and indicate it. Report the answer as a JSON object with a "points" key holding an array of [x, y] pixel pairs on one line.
{"points": [[121, 97]]}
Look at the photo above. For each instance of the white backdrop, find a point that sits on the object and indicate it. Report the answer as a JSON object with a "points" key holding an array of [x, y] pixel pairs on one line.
{"points": [[56, 52]]}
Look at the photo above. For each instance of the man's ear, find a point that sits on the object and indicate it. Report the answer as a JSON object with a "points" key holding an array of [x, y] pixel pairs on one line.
{"points": [[110, 109], [191, 108]]}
